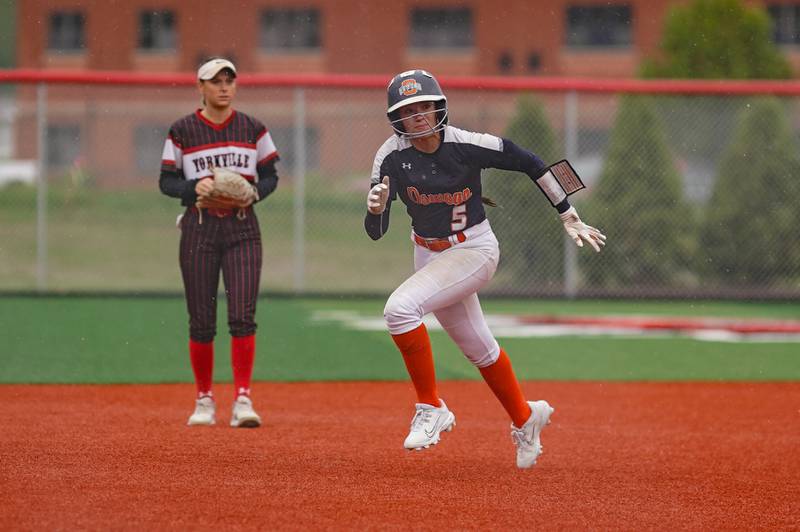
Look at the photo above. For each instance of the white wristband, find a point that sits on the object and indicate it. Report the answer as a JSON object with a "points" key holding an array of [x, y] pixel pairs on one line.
{"points": [[551, 188]]}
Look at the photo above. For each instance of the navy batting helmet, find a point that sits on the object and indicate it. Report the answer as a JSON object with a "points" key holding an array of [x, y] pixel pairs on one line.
{"points": [[414, 86]]}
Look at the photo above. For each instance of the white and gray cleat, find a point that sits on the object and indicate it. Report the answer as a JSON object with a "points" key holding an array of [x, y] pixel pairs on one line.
{"points": [[204, 412], [427, 425], [526, 438], [243, 415]]}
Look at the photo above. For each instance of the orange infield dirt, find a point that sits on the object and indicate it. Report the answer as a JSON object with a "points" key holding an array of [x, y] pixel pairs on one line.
{"points": [[330, 456]]}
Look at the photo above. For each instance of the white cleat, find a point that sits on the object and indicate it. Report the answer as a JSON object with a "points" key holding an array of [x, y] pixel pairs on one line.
{"points": [[204, 412], [426, 425], [526, 438], [243, 414]]}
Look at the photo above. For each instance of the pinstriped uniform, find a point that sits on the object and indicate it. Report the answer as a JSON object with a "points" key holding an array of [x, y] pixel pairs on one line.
{"points": [[217, 242], [232, 246], [195, 145]]}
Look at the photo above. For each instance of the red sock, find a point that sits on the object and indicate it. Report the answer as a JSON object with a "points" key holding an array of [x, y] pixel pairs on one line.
{"points": [[243, 352], [417, 354], [501, 379], [202, 357]]}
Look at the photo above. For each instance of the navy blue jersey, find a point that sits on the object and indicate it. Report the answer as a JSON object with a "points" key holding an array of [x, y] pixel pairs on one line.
{"points": [[442, 190]]}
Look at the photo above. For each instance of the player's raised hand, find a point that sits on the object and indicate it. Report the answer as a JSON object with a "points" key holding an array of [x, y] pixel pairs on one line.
{"points": [[579, 231], [377, 197]]}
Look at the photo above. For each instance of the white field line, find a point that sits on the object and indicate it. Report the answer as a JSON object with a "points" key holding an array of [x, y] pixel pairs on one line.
{"points": [[511, 326]]}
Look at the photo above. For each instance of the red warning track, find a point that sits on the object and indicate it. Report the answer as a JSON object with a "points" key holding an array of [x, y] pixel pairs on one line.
{"points": [[634, 456]]}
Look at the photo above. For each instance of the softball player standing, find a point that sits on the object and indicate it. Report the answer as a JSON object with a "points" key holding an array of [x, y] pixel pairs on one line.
{"points": [[218, 237], [435, 169]]}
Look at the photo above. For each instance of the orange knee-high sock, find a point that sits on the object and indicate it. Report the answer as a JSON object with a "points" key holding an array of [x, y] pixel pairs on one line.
{"points": [[243, 353], [417, 354], [501, 379], [202, 357]]}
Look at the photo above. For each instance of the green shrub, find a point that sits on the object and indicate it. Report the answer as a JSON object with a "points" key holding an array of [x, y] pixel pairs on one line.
{"points": [[750, 230], [525, 222], [717, 39], [638, 203]]}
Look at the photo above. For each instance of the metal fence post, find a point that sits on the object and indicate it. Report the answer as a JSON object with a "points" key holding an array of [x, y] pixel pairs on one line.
{"points": [[571, 273], [299, 143], [41, 188]]}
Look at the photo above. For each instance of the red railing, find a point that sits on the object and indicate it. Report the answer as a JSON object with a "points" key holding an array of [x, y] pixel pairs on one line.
{"points": [[373, 81]]}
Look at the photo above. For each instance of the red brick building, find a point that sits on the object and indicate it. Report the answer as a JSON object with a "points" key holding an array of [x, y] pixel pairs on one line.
{"points": [[572, 38], [453, 37]]}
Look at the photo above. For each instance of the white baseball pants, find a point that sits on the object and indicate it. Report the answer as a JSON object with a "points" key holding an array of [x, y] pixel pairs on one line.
{"points": [[446, 283]]}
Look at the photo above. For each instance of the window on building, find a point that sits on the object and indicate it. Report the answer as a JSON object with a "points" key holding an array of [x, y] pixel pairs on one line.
{"points": [[290, 29], [785, 23], [148, 142], [63, 145], [534, 62], [157, 31], [599, 25], [447, 28], [505, 62], [67, 31]]}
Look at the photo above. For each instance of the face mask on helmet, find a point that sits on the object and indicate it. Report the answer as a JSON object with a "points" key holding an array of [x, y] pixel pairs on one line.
{"points": [[415, 86], [436, 120]]}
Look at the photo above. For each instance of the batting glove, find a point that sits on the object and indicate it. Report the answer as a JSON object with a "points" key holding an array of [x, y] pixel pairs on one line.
{"points": [[377, 197], [579, 231]]}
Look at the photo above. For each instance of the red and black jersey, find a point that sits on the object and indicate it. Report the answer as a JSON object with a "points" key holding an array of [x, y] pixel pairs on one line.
{"points": [[195, 145]]}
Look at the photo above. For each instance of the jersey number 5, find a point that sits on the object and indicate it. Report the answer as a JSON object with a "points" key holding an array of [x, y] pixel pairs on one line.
{"points": [[459, 217]]}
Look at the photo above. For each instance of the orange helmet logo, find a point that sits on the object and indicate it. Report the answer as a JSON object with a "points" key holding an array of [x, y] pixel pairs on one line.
{"points": [[409, 87]]}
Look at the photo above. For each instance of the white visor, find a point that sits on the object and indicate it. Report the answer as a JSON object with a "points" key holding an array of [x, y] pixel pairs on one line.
{"points": [[211, 68]]}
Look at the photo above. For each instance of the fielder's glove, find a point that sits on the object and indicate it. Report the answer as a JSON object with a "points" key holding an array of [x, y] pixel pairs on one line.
{"points": [[230, 190], [208, 202], [378, 196], [579, 231]]}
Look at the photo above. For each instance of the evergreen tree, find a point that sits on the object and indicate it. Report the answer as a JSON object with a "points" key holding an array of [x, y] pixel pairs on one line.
{"points": [[711, 39], [750, 231], [524, 220], [638, 203]]}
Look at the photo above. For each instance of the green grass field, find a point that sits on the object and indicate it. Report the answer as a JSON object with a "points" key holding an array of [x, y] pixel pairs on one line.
{"points": [[143, 340], [126, 240]]}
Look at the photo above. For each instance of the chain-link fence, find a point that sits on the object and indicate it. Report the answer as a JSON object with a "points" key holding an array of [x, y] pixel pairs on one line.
{"points": [[699, 194]]}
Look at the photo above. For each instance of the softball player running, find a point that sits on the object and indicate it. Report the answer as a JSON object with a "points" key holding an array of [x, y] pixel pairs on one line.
{"points": [[219, 236], [435, 170]]}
